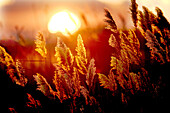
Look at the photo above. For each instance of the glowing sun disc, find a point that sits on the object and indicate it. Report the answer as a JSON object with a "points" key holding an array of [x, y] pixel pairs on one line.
{"points": [[64, 22]]}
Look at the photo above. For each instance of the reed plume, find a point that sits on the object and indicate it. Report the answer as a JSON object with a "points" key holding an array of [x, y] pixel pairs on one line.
{"points": [[43, 86], [111, 24], [12, 68], [134, 12], [41, 45]]}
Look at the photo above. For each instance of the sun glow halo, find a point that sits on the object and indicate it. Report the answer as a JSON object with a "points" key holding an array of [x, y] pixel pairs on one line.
{"points": [[5, 2], [64, 22]]}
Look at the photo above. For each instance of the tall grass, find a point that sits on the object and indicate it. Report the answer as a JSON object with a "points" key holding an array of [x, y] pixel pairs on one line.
{"points": [[73, 77], [75, 80]]}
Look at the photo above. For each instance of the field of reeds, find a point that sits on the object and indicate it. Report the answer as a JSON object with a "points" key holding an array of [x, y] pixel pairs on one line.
{"points": [[129, 71]]}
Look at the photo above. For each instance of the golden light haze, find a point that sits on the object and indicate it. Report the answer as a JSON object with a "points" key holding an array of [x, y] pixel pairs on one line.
{"points": [[5, 2], [35, 15]]}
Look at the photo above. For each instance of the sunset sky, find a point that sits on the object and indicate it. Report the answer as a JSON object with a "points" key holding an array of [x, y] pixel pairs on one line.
{"points": [[35, 14]]}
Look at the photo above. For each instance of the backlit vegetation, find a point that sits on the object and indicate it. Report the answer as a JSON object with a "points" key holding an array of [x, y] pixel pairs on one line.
{"points": [[136, 55]]}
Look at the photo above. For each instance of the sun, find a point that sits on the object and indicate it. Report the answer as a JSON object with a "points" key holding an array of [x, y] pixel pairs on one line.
{"points": [[64, 22], [5, 2]]}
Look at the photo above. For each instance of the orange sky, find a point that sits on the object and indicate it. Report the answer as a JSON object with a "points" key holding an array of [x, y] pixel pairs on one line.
{"points": [[35, 14]]}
